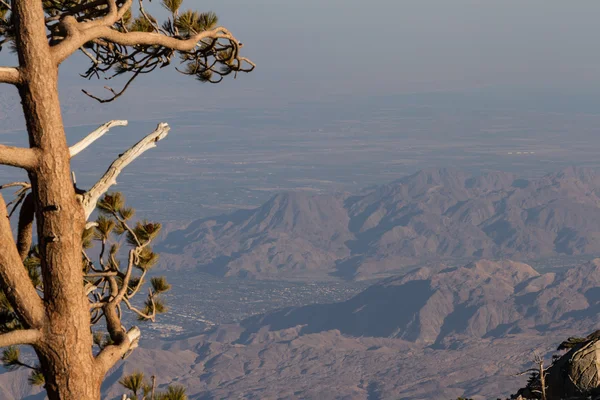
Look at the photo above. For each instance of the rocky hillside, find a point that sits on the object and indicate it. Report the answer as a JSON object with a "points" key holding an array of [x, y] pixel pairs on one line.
{"points": [[293, 233], [483, 299], [430, 334], [434, 333], [437, 214]]}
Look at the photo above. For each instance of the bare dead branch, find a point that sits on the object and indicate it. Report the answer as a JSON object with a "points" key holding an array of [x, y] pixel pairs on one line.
{"points": [[91, 224], [10, 75], [19, 157], [20, 336], [95, 135], [91, 197], [539, 360], [14, 278], [528, 371], [24, 185]]}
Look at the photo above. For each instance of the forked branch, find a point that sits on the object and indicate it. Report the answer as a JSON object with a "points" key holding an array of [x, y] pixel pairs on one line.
{"points": [[113, 353], [90, 198]]}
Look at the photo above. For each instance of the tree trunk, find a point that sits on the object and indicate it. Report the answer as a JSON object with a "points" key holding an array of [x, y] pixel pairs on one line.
{"points": [[65, 351]]}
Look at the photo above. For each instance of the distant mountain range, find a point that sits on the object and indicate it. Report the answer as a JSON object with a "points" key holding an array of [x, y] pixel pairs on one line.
{"points": [[433, 215], [434, 333]]}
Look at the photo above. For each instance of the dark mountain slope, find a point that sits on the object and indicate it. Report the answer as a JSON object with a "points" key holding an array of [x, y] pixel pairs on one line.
{"points": [[428, 306]]}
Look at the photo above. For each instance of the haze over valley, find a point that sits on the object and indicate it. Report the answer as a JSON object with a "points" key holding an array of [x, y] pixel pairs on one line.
{"points": [[401, 201]]}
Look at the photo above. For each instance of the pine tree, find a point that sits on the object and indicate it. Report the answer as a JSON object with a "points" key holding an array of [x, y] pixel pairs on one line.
{"points": [[50, 290], [143, 390]]}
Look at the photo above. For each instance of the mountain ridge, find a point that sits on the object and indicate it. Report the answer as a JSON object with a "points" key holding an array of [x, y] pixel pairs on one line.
{"points": [[432, 215], [469, 334]]}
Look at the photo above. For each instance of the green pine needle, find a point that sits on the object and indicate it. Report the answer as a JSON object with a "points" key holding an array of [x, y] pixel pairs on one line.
{"points": [[11, 358], [172, 5], [111, 203], [36, 378], [160, 284]]}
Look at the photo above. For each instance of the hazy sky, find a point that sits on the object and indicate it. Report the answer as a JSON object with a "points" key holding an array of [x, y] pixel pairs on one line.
{"points": [[309, 50], [335, 46], [316, 48]]}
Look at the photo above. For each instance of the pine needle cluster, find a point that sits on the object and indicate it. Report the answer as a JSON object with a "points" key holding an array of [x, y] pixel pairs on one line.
{"points": [[141, 389], [112, 275]]}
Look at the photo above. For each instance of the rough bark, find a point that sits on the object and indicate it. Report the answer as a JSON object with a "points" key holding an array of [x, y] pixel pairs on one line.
{"points": [[65, 349], [20, 336], [10, 75], [18, 157]]}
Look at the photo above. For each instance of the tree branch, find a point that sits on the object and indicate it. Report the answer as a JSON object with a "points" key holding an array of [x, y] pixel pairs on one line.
{"points": [[18, 157], [95, 135], [125, 285], [24, 185], [77, 37], [90, 198], [20, 336], [151, 317], [14, 279], [10, 75], [114, 14], [112, 353], [25, 226]]}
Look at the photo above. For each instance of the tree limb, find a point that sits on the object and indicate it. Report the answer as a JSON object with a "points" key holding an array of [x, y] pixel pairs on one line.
{"points": [[20, 336], [123, 290], [77, 37], [24, 185], [18, 157], [112, 353], [114, 14], [90, 198], [151, 317], [14, 279], [116, 94], [10, 75], [95, 135], [25, 226]]}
